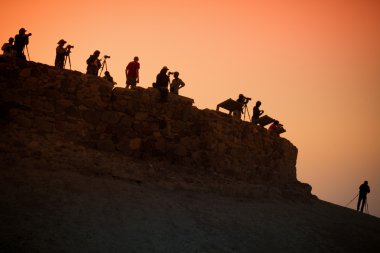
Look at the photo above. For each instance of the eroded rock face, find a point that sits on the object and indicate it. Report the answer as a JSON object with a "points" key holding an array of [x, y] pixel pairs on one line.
{"points": [[86, 110]]}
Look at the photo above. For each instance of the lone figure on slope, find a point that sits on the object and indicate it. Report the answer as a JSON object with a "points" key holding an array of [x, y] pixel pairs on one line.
{"points": [[363, 190]]}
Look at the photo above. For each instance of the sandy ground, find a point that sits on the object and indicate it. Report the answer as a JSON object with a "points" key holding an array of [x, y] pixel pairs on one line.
{"points": [[62, 211]]}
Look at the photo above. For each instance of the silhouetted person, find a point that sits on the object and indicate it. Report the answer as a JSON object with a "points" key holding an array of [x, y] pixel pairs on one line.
{"points": [[93, 64], [256, 112], [132, 72], [162, 83], [21, 40], [242, 100], [8, 48], [176, 84], [275, 127], [363, 190], [107, 76], [60, 54]]}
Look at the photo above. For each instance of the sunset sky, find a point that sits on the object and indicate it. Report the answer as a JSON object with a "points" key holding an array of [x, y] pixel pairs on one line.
{"points": [[314, 64]]}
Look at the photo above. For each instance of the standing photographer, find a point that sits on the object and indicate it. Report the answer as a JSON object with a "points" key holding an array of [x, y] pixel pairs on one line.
{"points": [[162, 83], [21, 40], [61, 53], [243, 101], [93, 64]]}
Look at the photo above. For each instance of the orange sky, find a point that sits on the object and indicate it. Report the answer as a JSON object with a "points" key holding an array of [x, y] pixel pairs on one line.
{"points": [[313, 64]]}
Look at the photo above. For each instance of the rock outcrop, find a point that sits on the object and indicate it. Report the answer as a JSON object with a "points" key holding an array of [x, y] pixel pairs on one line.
{"points": [[86, 110], [88, 168]]}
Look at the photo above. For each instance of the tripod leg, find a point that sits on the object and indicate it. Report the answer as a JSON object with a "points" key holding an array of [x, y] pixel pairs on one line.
{"points": [[69, 61], [101, 69], [27, 51]]}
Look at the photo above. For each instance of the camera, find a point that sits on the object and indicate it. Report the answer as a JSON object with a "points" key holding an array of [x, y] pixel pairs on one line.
{"points": [[170, 73], [29, 34], [243, 99], [107, 56], [69, 46]]}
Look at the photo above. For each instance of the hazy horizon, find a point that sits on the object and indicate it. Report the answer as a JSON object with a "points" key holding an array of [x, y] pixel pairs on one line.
{"points": [[314, 65]]}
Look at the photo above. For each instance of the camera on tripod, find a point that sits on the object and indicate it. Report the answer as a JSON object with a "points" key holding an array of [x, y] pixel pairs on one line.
{"points": [[70, 46], [243, 99], [170, 73], [107, 56]]}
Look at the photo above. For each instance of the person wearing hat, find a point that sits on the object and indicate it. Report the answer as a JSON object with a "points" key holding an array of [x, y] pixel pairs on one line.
{"points": [[21, 40], [132, 72], [93, 64], [162, 83], [8, 48], [60, 54], [176, 83]]}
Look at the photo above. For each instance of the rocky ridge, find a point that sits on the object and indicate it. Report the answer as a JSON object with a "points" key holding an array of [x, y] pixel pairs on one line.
{"points": [[88, 168]]}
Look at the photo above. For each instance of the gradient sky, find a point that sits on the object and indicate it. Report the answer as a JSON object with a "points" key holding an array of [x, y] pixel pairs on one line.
{"points": [[313, 64]]}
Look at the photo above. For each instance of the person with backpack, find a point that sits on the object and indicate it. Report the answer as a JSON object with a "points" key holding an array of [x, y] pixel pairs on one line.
{"points": [[93, 64]]}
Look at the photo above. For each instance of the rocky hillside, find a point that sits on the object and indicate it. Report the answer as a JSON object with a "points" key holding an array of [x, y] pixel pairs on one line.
{"points": [[88, 168]]}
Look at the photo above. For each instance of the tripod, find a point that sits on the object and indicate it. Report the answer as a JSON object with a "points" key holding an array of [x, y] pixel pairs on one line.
{"points": [[104, 63], [365, 203], [67, 57], [246, 111], [27, 51]]}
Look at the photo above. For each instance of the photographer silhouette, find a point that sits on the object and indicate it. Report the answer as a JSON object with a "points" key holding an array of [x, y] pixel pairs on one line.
{"points": [[93, 64], [243, 100], [21, 41], [62, 54]]}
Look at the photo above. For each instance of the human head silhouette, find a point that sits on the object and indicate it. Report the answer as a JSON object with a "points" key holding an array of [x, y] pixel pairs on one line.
{"points": [[258, 103], [366, 182], [136, 59], [22, 31], [164, 69], [97, 53], [61, 42], [176, 74]]}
